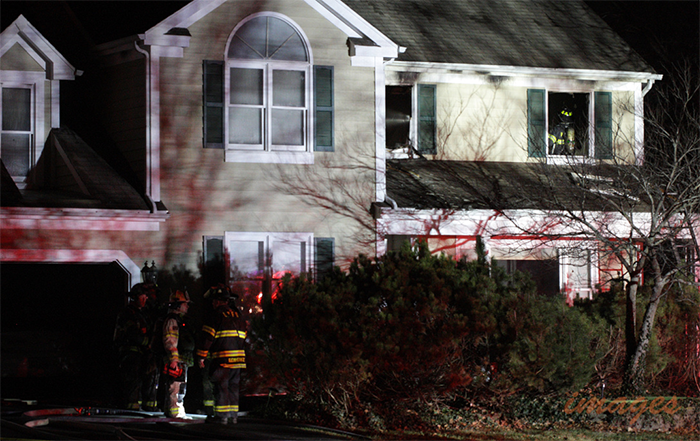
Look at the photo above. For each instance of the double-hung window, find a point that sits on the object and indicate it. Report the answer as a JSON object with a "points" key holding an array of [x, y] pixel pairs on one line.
{"points": [[566, 125], [258, 261], [17, 131], [268, 74], [259, 104]]}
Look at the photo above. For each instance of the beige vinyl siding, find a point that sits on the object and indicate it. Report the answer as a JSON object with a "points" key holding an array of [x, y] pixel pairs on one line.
{"points": [[16, 58], [623, 125], [484, 122], [480, 122], [124, 111], [207, 196]]}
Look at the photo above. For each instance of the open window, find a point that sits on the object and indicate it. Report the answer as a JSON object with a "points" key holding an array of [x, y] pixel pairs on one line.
{"points": [[566, 125], [411, 118]]}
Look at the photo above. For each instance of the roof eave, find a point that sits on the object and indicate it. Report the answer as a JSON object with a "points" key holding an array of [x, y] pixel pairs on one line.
{"points": [[523, 71]]}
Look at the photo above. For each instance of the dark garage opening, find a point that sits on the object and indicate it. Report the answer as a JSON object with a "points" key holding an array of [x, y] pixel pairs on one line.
{"points": [[57, 326]]}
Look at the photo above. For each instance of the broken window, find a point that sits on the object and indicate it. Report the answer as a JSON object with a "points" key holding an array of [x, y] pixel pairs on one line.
{"points": [[398, 116]]}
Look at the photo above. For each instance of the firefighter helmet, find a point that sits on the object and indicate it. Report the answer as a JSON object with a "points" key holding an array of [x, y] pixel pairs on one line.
{"points": [[179, 297], [219, 292], [566, 115]]}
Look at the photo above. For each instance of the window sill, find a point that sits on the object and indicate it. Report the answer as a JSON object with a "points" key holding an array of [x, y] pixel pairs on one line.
{"points": [[569, 160], [269, 157]]}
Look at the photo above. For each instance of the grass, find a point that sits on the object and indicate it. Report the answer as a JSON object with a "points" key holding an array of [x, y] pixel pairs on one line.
{"points": [[501, 434]]}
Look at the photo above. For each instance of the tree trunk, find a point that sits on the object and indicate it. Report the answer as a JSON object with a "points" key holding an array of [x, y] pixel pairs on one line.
{"points": [[634, 378], [631, 319]]}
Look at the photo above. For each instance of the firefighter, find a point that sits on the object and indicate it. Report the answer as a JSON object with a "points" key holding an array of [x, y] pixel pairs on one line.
{"points": [[154, 313], [222, 340], [178, 345], [207, 385], [131, 340], [562, 138]]}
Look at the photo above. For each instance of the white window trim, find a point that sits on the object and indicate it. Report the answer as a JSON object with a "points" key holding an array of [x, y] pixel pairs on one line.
{"points": [[252, 154], [36, 82]]}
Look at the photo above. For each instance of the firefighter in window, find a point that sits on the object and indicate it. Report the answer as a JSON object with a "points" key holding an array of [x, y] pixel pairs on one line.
{"points": [[562, 139]]}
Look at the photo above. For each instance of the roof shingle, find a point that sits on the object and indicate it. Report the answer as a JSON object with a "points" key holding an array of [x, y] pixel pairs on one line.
{"points": [[540, 33]]}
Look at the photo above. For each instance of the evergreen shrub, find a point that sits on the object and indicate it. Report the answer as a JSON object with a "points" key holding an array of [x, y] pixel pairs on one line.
{"points": [[415, 326]]}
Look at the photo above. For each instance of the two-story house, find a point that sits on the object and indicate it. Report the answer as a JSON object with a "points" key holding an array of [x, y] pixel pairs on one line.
{"points": [[244, 139]]}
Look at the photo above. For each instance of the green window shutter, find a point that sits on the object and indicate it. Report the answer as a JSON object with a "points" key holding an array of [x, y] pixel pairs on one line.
{"points": [[323, 108], [324, 256], [213, 260], [213, 111], [427, 120], [603, 125], [536, 118]]}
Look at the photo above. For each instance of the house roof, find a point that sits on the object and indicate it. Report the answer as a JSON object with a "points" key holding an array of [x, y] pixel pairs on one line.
{"points": [[543, 33], [9, 193], [72, 175], [466, 185], [539, 34]]}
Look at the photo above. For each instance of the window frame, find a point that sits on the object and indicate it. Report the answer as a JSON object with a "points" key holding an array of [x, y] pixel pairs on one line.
{"points": [[266, 152], [35, 82], [417, 117], [269, 239], [595, 149]]}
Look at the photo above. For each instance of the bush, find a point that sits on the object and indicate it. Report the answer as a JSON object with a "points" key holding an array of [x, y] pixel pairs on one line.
{"points": [[673, 365], [555, 347], [415, 326]]}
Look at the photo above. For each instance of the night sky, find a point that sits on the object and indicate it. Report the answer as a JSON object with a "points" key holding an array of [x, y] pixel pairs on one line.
{"points": [[662, 32]]}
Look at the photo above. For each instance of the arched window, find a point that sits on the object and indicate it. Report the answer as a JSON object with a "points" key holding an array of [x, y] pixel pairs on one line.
{"points": [[268, 67]]}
